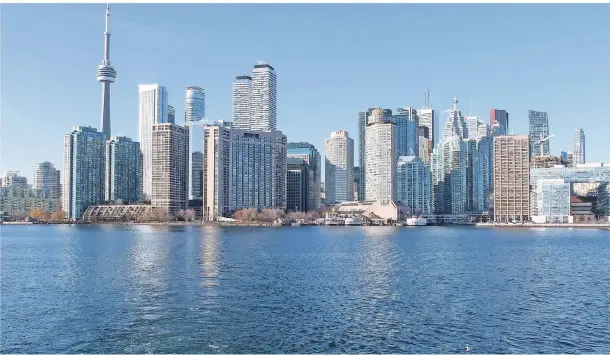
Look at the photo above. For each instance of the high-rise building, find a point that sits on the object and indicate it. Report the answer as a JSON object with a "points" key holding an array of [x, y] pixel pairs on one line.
{"points": [[539, 129], [12, 178], [413, 180], [449, 176], [380, 156], [194, 116], [297, 183], [483, 174], [425, 145], [455, 123], [123, 170], [47, 179], [258, 168], [407, 137], [264, 98], [170, 167], [511, 178], [563, 156], [194, 104], [83, 170], [552, 200], [501, 118], [197, 175], [571, 159], [339, 157], [311, 156], [217, 172], [472, 180], [242, 102], [171, 114], [153, 109], [426, 119], [362, 118], [106, 75], [356, 176], [579, 146]]}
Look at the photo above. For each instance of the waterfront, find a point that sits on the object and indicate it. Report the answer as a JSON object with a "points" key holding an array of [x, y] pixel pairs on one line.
{"points": [[187, 289]]}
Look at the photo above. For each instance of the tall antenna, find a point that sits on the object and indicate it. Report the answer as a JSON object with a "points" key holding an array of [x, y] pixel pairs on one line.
{"points": [[428, 102]]}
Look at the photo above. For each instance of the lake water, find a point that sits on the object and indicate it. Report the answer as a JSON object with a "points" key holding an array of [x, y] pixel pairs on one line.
{"points": [[140, 289]]}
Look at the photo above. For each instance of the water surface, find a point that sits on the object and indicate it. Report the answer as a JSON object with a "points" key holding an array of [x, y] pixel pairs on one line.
{"points": [[139, 289]]}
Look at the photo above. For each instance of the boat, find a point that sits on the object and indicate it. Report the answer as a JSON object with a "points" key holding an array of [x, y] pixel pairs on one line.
{"points": [[413, 221], [334, 221], [353, 221]]}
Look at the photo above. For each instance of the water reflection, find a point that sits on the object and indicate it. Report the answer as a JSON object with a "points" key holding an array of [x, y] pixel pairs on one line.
{"points": [[149, 261], [209, 247]]}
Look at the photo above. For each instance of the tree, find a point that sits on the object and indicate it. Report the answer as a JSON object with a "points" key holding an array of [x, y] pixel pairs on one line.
{"points": [[58, 216], [39, 214], [180, 215], [160, 215], [189, 215]]}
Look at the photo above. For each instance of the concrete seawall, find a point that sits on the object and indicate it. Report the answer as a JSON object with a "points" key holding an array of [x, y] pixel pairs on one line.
{"points": [[549, 225]]}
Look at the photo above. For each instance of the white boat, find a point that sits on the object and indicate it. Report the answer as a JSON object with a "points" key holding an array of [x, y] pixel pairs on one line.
{"points": [[413, 221], [353, 221], [334, 221]]}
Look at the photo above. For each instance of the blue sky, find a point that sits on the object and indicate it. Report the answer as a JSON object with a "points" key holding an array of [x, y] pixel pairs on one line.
{"points": [[331, 60]]}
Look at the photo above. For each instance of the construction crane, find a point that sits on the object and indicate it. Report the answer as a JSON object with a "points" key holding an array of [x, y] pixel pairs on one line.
{"points": [[541, 142]]}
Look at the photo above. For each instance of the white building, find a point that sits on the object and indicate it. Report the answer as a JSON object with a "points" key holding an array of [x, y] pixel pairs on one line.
{"points": [[413, 180], [152, 109], [380, 157], [194, 104], [339, 167], [579, 147], [216, 172], [242, 102], [426, 119], [264, 98], [455, 123], [243, 169], [169, 167], [47, 179], [83, 170], [552, 201]]}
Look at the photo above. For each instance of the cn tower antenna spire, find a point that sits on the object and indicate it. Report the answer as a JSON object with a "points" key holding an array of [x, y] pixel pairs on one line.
{"points": [[106, 76]]}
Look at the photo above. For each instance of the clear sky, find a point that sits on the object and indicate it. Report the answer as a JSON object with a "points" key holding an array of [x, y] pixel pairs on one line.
{"points": [[331, 61]]}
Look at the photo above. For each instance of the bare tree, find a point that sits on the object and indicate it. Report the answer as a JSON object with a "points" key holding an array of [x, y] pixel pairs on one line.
{"points": [[189, 215]]}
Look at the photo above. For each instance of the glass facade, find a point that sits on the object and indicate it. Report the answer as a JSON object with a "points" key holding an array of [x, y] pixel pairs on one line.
{"points": [[553, 200], [413, 185], [539, 129], [123, 170], [407, 128]]}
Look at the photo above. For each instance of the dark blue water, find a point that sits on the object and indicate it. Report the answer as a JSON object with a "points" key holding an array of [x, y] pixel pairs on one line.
{"points": [[116, 289]]}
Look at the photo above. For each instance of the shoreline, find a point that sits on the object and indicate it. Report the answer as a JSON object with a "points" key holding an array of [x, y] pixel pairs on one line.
{"points": [[261, 224], [549, 225]]}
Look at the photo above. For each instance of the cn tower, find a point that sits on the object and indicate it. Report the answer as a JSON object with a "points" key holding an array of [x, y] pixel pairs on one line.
{"points": [[106, 75]]}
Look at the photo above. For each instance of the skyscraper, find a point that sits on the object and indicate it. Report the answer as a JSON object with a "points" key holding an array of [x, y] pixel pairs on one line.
{"points": [[449, 176], [83, 170], [194, 104], [297, 181], [455, 123], [380, 156], [217, 172], [500, 117], [171, 114], [242, 102], [426, 119], [264, 98], [169, 167], [311, 156], [258, 169], [362, 118], [511, 178], [153, 109], [194, 116], [47, 179], [339, 158], [413, 180], [197, 175], [579, 146], [407, 137], [106, 75], [123, 170], [539, 129]]}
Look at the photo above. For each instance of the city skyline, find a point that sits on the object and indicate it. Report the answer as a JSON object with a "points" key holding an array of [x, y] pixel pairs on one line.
{"points": [[294, 85]]}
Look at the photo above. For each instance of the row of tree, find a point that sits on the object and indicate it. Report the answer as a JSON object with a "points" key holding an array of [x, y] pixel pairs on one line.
{"points": [[160, 215], [41, 215], [270, 215]]}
